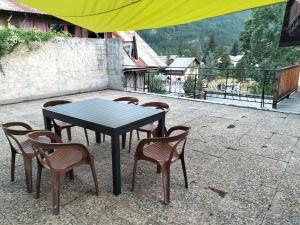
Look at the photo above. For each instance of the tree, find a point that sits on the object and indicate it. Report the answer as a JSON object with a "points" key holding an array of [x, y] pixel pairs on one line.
{"points": [[196, 51], [212, 43], [180, 48], [189, 85], [169, 60], [210, 64], [222, 57], [235, 49], [261, 37]]}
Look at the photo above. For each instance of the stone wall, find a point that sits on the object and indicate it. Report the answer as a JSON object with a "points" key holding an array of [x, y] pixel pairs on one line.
{"points": [[60, 67]]}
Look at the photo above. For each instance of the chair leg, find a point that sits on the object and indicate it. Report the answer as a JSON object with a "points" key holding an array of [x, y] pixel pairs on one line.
{"points": [[57, 131], [92, 165], [158, 169], [38, 180], [55, 179], [28, 172], [166, 183], [103, 137], [12, 166], [148, 134], [134, 174], [86, 137], [184, 171], [138, 134], [130, 140], [69, 134], [71, 174]]}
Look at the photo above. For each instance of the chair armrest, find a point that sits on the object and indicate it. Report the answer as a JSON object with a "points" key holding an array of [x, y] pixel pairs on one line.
{"points": [[143, 142]]}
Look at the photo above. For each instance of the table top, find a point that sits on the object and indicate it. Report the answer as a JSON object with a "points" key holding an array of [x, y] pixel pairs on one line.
{"points": [[104, 112]]}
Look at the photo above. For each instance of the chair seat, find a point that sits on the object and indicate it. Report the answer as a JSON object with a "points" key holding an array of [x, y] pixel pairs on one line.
{"points": [[160, 152], [148, 127], [27, 148], [64, 158]]}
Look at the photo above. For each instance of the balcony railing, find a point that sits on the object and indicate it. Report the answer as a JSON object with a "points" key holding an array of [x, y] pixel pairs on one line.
{"points": [[238, 84]]}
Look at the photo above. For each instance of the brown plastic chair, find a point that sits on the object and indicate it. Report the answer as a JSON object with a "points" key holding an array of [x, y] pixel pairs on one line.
{"points": [[125, 99], [59, 158], [12, 130], [60, 125], [163, 152], [151, 128]]}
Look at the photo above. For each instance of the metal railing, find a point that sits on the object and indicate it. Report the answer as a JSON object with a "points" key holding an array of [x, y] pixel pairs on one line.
{"points": [[237, 84], [286, 83]]}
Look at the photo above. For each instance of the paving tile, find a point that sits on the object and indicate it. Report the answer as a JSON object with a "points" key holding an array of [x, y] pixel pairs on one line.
{"points": [[242, 167]]}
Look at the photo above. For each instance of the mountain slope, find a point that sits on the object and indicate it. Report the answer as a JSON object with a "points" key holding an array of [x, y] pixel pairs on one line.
{"points": [[225, 28]]}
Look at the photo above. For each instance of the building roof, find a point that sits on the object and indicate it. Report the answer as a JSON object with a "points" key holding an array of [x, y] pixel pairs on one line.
{"points": [[182, 63], [12, 5], [145, 52], [130, 63], [164, 58], [236, 58]]}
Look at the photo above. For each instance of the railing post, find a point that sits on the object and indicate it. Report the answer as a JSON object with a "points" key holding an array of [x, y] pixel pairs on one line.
{"points": [[262, 102], [275, 95], [195, 85], [225, 94], [144, 88], [135, 81], [148, 85], [170, 87]]}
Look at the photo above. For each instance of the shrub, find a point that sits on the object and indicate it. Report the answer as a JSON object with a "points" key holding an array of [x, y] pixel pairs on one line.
{"points": [[189, 85], [33, 38], [156, 85]]}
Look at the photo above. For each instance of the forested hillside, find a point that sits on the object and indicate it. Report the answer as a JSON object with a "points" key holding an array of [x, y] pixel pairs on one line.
{"points": [[195, 36]]}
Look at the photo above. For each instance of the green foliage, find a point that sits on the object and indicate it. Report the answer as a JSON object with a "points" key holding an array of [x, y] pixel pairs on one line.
{"points": [[169, 60], [212, 43], [223, 60], [240, 71], [210, 63], [180, 48], [235, 49], [189, 85], [257, 88], [260, 39], [226, 29], [155, 84], [12, 37]]}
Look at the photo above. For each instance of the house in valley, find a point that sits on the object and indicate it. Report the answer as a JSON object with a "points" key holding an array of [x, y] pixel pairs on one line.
{"points": [[182, 67], [139, 58]]}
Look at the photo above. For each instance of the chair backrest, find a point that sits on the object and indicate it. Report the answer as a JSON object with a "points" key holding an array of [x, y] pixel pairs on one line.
{"points": [[129, 100], [13, 129], [55, 102], [178, 138], [158, 105], [43, 143]]}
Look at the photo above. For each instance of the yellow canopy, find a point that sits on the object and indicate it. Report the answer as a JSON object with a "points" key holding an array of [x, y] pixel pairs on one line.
{"points": [[116, 15]]}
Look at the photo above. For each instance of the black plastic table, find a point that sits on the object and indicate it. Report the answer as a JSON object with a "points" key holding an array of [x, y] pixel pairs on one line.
{"points": [[108, 117]]}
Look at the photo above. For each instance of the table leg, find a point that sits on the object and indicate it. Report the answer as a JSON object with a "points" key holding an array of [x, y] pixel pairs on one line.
{"points": [[47, 123], [161, 127], [115, 151], [98, 137], [123, 140]]}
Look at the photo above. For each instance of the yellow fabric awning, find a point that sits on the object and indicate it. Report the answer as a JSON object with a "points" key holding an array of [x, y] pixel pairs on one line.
{"points": [[117, 15]]}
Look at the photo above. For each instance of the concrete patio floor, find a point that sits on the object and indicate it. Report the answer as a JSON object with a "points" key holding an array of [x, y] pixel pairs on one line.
{"points": [[243, 167]]}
